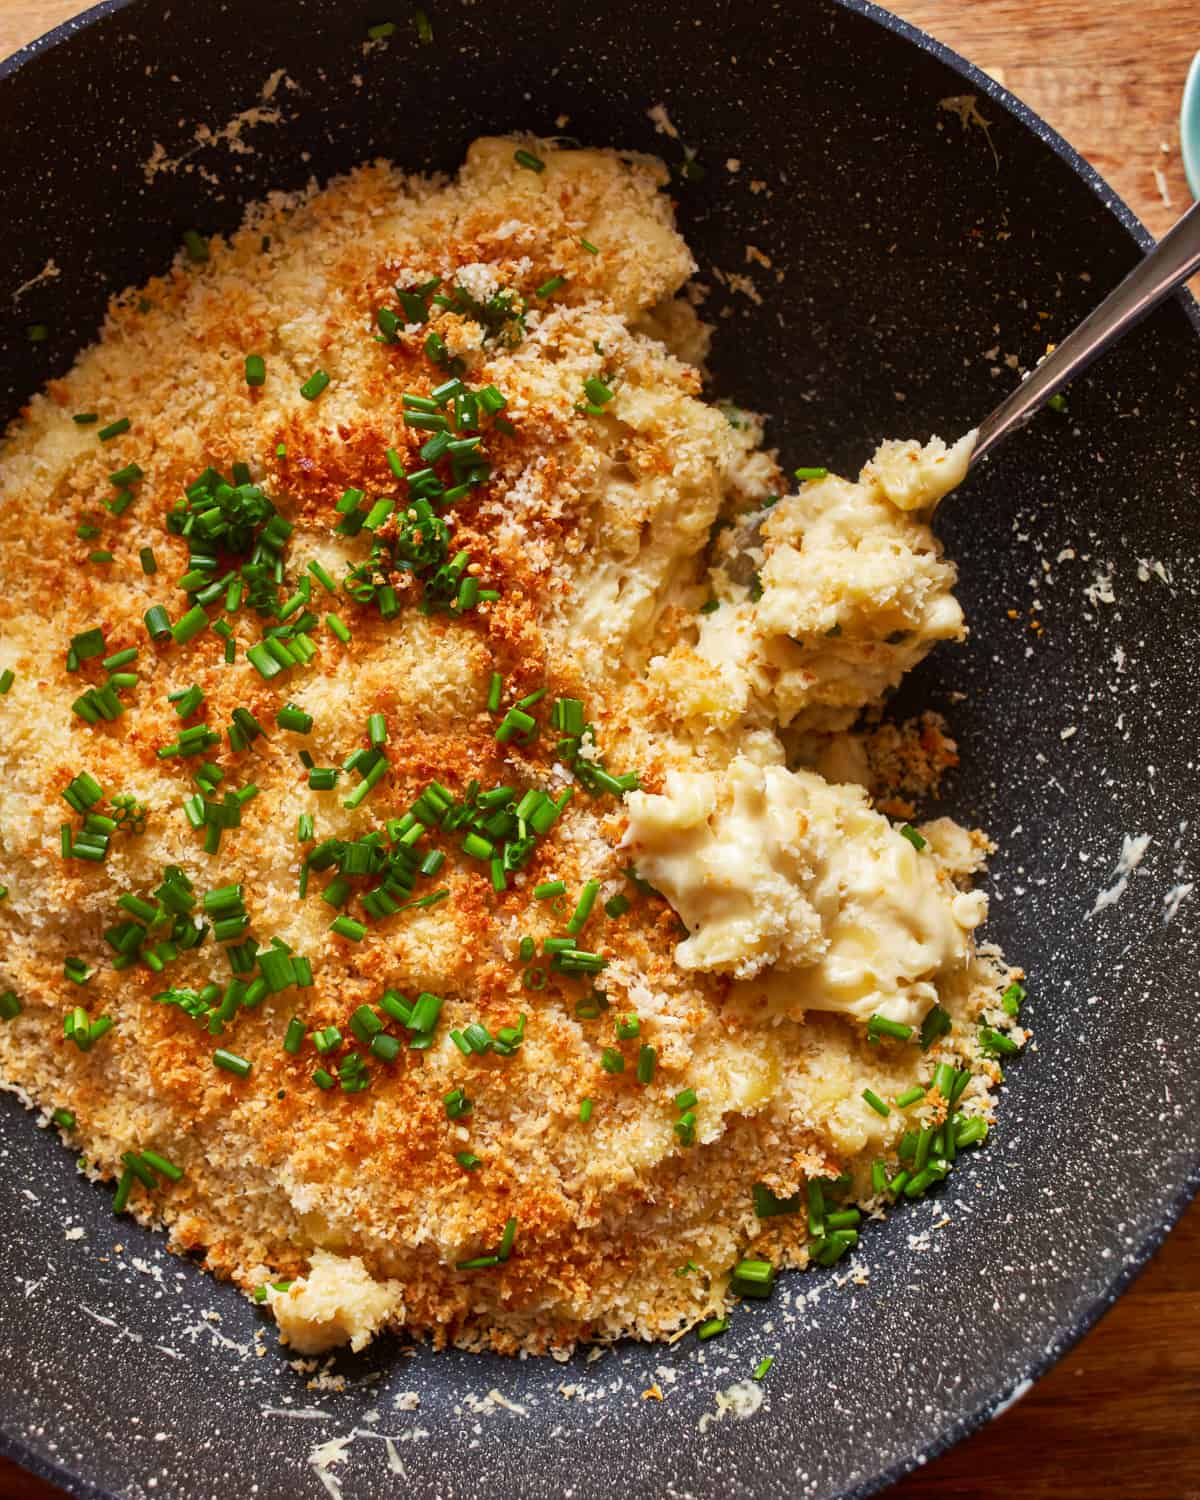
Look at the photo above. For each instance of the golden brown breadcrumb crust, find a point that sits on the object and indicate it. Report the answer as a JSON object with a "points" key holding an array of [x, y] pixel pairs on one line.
{"points": [[592, 528]]}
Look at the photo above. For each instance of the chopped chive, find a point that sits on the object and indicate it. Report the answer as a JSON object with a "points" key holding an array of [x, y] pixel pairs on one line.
{"points": [[162, 1166], [256, 369], [347, 927], [936, 1024], [597, 392], [646, 1063], [187, 701], [114, 429], [528, 160], [996, 1043], [879, 1026], [585, 1111], [876, 1103], [761, 1368], [124, 1188], [752, 1278], [423, 29], [196, 246], [816, 473], [909, 1096], [1012, 998], [88, 643], [548, 288], [816, 1208], [322, 577], [711, 1328], [189, 625], [338, 628], [971, 1132], [10, 1006], [589, 247], [548, 889], [294, 718], [314, 385], [908, 832], [230, 1062], [7, 678], [583, 910], [85, 418]]}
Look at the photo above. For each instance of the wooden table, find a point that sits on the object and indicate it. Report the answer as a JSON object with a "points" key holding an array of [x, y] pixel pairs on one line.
{"points": [[1119, 1418]]}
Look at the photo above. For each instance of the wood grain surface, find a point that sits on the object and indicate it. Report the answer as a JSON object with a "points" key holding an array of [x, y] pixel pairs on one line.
{"points": [[1119, 1417]]}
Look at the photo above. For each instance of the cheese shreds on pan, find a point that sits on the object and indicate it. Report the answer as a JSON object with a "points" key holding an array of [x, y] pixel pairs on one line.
{"points": [[423, 899]]}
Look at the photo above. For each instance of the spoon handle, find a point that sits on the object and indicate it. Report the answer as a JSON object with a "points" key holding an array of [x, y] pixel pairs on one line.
{"points": [[1172, 261]]}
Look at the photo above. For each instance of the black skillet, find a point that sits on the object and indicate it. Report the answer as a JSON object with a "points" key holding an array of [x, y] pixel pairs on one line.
{"points": [[915, 250]]}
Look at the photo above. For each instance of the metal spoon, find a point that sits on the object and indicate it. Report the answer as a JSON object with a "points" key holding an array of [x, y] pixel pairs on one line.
{"points": [[1171, 262], [1168, 265]]}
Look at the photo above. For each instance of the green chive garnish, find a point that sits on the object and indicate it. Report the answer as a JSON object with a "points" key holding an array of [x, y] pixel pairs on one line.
{"points": [[196, 246], [162, 1166], [879, 1026], [587, 900], [528, 160], [314, 385], [256, 369], [646, 1064], [347, 927], [230, 1062]]}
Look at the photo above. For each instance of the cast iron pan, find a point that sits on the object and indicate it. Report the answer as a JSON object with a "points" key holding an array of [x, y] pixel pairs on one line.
{"points": [[916, 253]]}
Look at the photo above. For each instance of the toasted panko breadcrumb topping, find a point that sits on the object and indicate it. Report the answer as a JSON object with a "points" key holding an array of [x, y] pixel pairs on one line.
{"points": [[576, 1142]]}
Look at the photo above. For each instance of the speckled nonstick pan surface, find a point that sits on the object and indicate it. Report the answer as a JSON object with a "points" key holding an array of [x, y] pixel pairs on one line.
{"points": [[915, 253]]}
